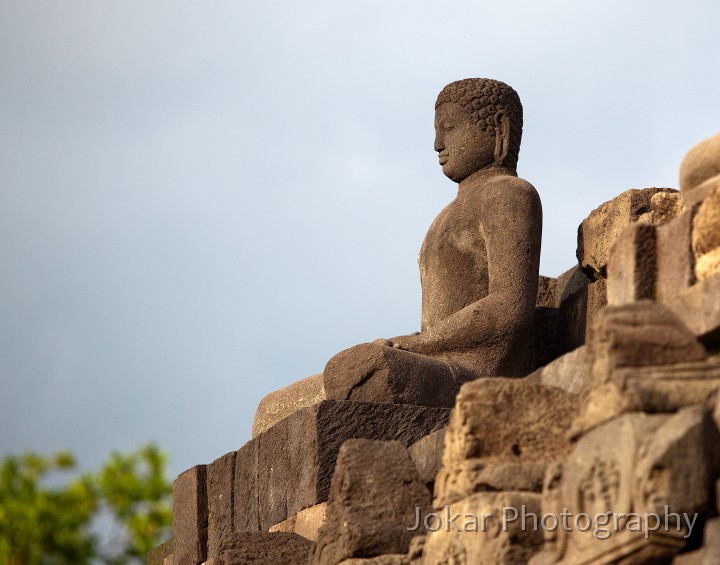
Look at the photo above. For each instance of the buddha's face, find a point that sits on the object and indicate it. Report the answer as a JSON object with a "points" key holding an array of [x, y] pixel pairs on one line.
{"points": [[463, 148]]}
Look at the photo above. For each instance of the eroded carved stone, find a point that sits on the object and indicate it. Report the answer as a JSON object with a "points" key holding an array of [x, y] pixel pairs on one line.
{"points": [[503, 433], [634, 465], [482, 529]]}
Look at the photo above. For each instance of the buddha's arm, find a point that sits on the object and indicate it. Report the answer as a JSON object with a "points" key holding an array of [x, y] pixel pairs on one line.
{"points": [[513, 225]]}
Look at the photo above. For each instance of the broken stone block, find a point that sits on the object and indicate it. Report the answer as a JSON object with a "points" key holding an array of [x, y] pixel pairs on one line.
{"points": [[263, 548], [484, 528], [632, 265], [281, 403], [664, 207], [572, 320], [502, 435], [629, 471], [427, 455], [190, 517], [288, 467], [568, 372], [375, 496], [601, 228], [220, 480], [639, 334], [305, 523]]}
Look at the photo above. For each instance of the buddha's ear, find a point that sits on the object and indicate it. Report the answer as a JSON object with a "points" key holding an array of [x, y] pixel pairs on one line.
{"points": [[502, 138]]}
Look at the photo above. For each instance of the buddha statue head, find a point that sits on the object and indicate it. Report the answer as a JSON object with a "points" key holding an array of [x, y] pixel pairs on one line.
{"points": [[478, 125]]}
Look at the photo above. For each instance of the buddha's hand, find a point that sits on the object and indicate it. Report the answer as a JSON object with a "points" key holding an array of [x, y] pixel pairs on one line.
{"points": [[404, 342]]}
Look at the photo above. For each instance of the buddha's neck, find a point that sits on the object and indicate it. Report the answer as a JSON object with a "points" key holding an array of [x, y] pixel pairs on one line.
{"points": [[485, 174]]}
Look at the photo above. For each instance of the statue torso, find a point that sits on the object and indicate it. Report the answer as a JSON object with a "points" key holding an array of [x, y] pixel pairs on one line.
{"points": [[453, 259]]}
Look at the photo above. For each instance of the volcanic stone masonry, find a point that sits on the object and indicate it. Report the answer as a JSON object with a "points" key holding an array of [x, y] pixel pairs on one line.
{"points": [[569, 420]]}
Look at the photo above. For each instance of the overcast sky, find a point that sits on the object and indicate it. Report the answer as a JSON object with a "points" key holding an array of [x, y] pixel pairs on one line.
{"points": [[201, 202]]}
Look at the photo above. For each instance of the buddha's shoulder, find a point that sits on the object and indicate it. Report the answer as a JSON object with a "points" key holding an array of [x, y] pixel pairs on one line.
{"points": [[508, 188]]}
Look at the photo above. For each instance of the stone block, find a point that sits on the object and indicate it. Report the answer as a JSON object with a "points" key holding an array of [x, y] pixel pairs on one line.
{"points": [[502, 435], [600, 229], [699, 308], [427, 455], [246, 511], [305, 523], [632, 265], [634, 465], [639, 334], [288, 467], [675, 261], [596, 301], [281, 403], [273, 474], [375, 496], [220, 481], [263, 548], [190, 517], [568, 283], [568, 372], [483, 529]]}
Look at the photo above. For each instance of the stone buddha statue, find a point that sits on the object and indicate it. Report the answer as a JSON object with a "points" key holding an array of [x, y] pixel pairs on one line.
{"points": [[478, 267]]}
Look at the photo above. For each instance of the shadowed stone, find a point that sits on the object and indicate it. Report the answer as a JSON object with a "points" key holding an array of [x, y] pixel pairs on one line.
{"points": [[373, 499], [246, 512], [263, 548], [190, 517]]}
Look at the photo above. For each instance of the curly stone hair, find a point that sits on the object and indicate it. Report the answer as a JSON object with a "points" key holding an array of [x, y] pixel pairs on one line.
{"points": [[486, 99]]}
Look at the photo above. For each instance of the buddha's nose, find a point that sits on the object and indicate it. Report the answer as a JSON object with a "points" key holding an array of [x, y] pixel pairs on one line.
{"points": [[439, 145]]}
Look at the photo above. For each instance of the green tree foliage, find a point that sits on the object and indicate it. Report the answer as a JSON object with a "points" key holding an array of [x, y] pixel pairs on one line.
{"points": [[42, 524]]}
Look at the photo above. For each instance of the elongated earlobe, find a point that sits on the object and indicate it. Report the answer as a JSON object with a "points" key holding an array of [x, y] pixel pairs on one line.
{"points": [[502, 139]]}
